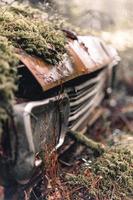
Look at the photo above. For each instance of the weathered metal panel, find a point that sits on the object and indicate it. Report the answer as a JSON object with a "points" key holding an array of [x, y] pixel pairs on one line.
{"points": [[85, 55], [37, 123]]}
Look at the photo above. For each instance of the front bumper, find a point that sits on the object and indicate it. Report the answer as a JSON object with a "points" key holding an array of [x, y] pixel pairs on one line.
{"points": [[37, 123]]}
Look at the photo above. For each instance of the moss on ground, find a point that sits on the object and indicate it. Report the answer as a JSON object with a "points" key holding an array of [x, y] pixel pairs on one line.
{"points": [[110, 176]]}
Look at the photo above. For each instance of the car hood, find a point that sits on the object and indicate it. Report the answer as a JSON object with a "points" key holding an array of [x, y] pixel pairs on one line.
{"points": [[85, 54]]}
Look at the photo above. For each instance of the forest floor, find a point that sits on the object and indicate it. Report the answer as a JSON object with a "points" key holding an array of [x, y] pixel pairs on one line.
{"points": [[115, 122]]}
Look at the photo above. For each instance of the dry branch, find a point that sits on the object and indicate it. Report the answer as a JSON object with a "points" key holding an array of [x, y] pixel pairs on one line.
{"points": [[95, 146]]}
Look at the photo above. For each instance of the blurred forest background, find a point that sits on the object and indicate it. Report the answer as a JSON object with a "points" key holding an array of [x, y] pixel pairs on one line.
{"points": [[78, 10]]}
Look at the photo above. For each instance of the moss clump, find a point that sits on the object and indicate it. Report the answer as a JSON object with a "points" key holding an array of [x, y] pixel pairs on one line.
{"points": [[110, 176], [8, 60], [28, 30]]}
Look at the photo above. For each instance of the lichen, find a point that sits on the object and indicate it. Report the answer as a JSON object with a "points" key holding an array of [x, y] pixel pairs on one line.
{"points": [[110, 176]]}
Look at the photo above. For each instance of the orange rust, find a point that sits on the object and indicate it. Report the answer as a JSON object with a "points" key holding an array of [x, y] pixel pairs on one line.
{"points": [[79, 62]]}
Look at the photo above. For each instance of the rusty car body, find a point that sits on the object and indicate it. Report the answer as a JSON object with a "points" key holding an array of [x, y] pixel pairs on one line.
{"points": [[52, 99]]}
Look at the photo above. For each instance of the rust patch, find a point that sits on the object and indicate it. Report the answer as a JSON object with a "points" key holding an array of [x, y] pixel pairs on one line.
{"points": [[85, 55]]}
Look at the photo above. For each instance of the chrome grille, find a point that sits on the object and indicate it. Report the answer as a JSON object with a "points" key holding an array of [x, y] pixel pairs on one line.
{"points": [[84, 98]]}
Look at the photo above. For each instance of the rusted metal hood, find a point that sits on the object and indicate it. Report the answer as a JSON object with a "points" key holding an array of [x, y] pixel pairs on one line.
{"points": [[84, 55]]}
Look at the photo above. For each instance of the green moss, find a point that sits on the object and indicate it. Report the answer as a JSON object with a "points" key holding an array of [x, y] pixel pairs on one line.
{"points": [[29, 31], [8, 60], [110, 176]]}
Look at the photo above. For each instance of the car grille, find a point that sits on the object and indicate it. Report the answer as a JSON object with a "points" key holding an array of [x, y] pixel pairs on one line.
{"points": [[84, 98]]}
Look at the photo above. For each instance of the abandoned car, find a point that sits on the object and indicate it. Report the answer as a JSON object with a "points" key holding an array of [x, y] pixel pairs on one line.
{"points": [[53, 99]]}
